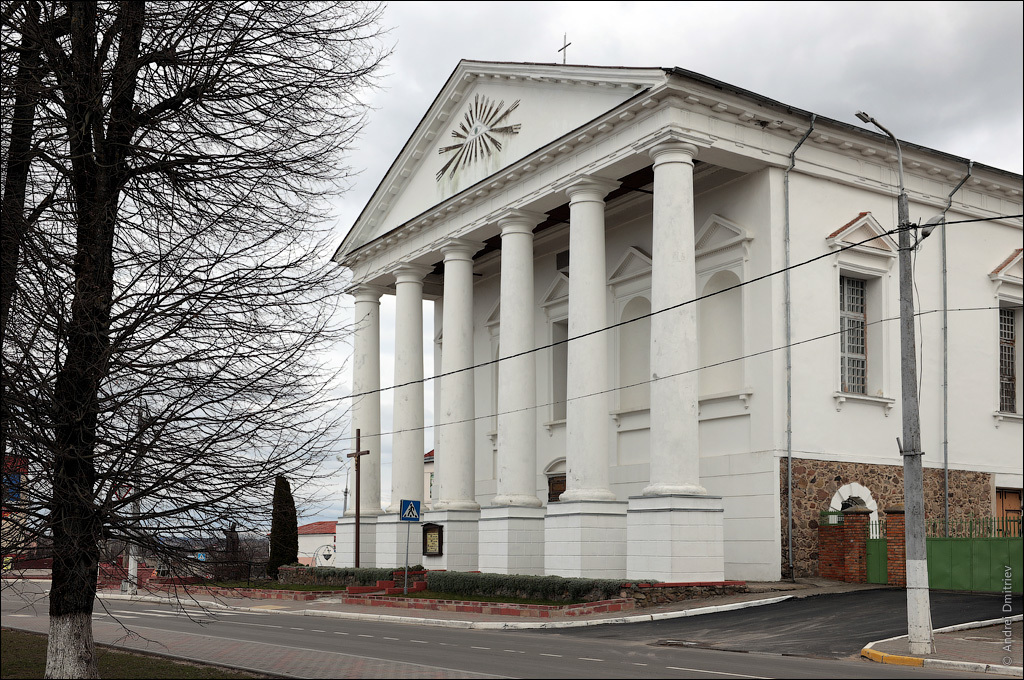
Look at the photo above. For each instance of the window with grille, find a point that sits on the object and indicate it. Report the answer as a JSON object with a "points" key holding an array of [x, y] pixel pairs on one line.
{"points": [[853, 335], [1007, 362]]}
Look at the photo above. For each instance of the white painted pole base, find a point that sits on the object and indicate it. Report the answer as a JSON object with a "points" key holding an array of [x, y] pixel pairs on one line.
{"points": [[919, 615]]}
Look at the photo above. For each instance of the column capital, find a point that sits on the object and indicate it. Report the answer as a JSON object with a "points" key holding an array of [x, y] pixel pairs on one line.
{"points": [[587, 188], [409, 272], [366, 292], [673, 144], [519, 221], [459, 249]]}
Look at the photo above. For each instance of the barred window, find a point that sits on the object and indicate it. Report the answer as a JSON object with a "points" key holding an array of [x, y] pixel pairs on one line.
{"points": [[853, 337], [1007, 362]]}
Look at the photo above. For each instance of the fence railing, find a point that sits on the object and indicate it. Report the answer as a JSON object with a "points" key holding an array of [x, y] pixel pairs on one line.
{"points": [[975, 527], [830, 518]]}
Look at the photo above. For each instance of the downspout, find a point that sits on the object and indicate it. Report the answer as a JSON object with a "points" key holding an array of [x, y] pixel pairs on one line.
{"points": [[789, 356], [945, 354]]}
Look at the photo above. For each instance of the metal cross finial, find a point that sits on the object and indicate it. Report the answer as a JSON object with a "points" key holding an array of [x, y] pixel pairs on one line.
{"points": [[356, 455], [564, 46]]}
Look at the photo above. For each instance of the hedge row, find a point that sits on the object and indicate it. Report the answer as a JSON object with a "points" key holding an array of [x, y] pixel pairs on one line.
{"points": [[341, 577], [553, 588]]}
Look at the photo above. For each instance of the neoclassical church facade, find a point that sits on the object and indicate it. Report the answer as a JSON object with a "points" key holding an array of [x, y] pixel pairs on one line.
{"points": [[666, 328]]}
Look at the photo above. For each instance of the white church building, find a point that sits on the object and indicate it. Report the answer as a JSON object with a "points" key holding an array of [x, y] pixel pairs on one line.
{"points": [[667, 335]]}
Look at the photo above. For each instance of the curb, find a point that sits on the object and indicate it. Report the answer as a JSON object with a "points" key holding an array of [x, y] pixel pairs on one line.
{"points": [[969, 666]]}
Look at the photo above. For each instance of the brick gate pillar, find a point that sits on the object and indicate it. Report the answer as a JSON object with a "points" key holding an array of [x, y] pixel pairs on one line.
{"points": [[855, 529], [896, 546]]}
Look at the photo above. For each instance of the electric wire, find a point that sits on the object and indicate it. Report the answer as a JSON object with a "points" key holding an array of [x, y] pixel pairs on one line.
{"points": [[678, 305], [770, 350]]}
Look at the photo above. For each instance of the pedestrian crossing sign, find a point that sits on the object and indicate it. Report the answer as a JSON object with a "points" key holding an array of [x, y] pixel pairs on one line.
{"points": [[410, 511]]}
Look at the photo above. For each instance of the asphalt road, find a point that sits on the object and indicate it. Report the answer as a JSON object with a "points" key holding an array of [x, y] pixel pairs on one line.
{"points": [[823, 626], [305, 646]]}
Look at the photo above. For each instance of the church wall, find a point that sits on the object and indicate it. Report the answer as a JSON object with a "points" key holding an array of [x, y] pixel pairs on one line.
{"points": [[824, 425]]}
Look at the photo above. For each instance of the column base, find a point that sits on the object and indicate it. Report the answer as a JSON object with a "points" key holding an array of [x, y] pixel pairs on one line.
{"points": [[512, 540], [585, 539], [675, 539], [461, 535], [392, 534], [345, 545]]}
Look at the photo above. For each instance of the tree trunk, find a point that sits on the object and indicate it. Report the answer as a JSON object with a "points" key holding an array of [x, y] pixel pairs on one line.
{"points": [[70, 652]]}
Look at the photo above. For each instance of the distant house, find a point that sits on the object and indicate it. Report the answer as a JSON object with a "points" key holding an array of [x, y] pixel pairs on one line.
{"points": [[313, 536]]}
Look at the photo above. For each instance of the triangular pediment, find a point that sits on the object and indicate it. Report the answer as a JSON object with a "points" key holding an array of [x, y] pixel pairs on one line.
{"points": [[634, 263], [864, 232], [487, 117], [557, 292], [1011, 270], [718, 234]]}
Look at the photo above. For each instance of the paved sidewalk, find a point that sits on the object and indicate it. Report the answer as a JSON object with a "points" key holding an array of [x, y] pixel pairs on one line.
{"points": [[984, 646]]}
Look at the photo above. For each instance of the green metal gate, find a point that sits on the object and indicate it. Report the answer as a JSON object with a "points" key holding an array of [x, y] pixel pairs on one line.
{"points": [[985, 555], [877, 553]]}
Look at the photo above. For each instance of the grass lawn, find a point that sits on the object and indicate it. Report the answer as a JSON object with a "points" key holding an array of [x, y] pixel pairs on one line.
{"points": [[24, 656]]}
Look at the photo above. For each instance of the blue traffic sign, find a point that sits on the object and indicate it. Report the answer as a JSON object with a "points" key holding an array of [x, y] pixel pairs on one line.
{"points": [[410, 511], [201, 557]]}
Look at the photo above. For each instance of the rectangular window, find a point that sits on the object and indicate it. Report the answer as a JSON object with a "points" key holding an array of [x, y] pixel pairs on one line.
{"points": [[853, 335], [1007, 362]]}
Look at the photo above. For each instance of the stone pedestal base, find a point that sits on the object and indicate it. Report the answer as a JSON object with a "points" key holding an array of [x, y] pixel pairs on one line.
{"points": [[391, 541], [675, 539], [345, 544], [585, 539], [460, 538], [512, 540]]}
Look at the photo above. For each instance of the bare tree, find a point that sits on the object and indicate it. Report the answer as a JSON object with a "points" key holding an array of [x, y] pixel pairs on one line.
{"points": [[170, 300]]}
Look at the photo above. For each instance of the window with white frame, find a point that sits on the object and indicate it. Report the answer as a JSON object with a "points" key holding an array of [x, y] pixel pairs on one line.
{"points": [[853, 357], [1007, 361], [864, 258]]}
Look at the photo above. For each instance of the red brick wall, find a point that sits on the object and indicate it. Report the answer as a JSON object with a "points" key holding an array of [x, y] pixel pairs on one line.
{"points": [[896, 543]]}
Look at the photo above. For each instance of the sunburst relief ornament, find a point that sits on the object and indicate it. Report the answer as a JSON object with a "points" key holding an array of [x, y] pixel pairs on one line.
{"points": [[478, 132]]}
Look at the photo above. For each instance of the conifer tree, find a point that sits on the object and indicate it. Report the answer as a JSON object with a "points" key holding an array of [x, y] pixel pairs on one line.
{"points": [[284, 528]]}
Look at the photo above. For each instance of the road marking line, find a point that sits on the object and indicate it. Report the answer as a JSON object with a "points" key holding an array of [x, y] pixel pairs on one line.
{"points": [[557, 656], [587, 658], [294, 628], [420, 642], [32, 616], [338, 632], [392, 639], [487, 648], [317, 630], [513, 651], [699, 670], [365, 635]]}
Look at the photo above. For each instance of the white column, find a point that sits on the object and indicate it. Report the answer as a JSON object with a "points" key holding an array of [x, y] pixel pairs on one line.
{"points": [[675, 456], [517, 375], [407, 442], [586, 453], [366, 409], [454, 460]]}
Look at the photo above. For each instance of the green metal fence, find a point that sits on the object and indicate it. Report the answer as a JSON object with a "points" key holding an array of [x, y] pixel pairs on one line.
{"points": [[984, 554], [974, 527], [877, 553]]}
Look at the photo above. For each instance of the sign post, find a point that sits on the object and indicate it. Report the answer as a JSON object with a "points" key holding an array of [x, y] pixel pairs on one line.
{"points": [[409, 512]]}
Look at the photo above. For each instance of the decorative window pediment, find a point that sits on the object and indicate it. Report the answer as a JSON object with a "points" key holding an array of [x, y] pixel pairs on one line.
{"points": [[863, 234], [557, 295], [634, 264], [1009, 277], [718, 235]]}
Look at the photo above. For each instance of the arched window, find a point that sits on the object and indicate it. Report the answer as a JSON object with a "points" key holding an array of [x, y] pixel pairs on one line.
{"points": [[635, 355], [720, 322]]}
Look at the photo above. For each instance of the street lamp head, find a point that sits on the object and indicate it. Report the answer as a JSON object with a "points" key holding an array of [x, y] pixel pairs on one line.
{"points": [[864, 117], [930, 225]]}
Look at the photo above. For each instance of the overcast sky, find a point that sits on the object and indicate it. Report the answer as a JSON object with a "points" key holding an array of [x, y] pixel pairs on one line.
{"points": [[943, 75]]}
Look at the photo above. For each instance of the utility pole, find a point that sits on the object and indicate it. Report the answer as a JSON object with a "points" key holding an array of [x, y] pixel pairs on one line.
{"points": [[919, 616]]}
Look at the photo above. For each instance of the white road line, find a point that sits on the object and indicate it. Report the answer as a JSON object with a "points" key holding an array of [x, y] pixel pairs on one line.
{"points": [[513, 651], [339, 632], [557, 656], [587, 658], [420, 642], [365, 635], [317, 630], [294, 628], [392, 639], [700, 670], [32, 616], [487, 648]]}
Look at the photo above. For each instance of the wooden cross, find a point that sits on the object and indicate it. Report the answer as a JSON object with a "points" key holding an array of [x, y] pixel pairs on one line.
{"points": [[357, 454], [564, 45]]}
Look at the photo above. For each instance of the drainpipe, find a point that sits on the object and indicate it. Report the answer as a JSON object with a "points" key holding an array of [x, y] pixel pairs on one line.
{"points": [[789, 357], [945, 354]]}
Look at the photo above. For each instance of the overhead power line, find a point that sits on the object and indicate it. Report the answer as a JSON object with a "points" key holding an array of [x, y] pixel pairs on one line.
{"points": [[776, 272]]}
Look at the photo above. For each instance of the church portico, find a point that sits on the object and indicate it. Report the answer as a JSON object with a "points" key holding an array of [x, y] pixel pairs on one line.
{"points": [[613, 398]]}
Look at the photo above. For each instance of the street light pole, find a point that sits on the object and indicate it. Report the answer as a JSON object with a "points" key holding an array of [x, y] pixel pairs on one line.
{"points": [[919, 618]]}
